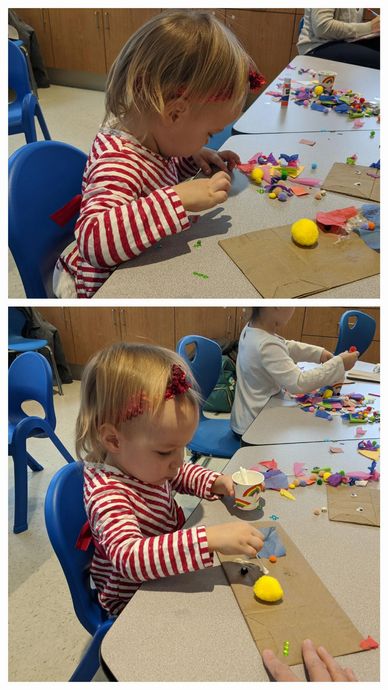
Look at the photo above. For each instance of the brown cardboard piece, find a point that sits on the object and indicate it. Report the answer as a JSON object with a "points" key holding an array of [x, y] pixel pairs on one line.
{"points": [[342, 506], [345, 179], [307, 610], [277, 267]]}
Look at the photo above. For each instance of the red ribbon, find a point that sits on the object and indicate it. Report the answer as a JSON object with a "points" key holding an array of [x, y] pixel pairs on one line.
{"points": [[84, 538], [66, 213]]}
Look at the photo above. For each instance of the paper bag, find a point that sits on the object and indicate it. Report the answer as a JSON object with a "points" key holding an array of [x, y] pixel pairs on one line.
{"points": [[353, 180], [277, 267], [358, 504], [307, 609]]}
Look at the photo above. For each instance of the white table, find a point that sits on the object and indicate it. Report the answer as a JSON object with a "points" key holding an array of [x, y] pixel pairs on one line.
{"points": [[282, 421], [166, 270], [266, 115], [190, 628]]}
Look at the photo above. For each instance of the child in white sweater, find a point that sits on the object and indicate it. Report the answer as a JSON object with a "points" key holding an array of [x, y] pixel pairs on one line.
{"points": [[266, 363]]}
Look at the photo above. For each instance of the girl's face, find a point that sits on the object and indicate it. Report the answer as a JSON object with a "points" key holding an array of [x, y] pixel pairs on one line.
{"points": [[152, 450], [283, 315], [186, 127]]}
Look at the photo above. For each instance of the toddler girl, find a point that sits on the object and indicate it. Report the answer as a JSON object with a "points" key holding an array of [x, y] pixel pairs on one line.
{"points": [[139, 408], [179, 79], [266, 363]]}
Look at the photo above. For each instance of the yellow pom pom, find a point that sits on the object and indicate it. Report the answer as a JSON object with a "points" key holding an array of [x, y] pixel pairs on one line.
{"points": [[326, 476], [304, 232], [267, 588], [318, 90], [328, 393], [257, 175], [291, 486], [272, 195]]}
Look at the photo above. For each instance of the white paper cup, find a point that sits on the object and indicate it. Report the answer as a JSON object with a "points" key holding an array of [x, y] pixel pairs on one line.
{"points": [[247, 494], [326, 79]]}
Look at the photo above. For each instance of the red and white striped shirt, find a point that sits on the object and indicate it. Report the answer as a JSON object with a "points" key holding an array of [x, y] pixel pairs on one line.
{"points": [[128, 204], [137, 529]]}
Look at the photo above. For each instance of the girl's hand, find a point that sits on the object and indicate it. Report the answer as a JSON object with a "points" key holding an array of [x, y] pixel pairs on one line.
{"points": [[224, 160], [375, 22], [200, 195], [320, 666], [349, 359], [235, 537], [325, 356], [223, 485]]}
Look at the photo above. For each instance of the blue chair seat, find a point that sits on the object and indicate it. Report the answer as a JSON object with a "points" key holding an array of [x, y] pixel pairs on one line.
{"points": [[216, 437], [20, 344]]}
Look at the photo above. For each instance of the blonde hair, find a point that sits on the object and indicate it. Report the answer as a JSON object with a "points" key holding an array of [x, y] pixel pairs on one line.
{"points": [[113, 379], [188, 53]]}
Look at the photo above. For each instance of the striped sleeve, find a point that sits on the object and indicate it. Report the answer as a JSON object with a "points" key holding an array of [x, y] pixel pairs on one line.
{"points": [[196, 481], [185, 167], [116, 223], [138, 558]]}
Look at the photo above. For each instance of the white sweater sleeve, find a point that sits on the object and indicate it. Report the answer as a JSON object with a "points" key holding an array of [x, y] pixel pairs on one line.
{"points": [[326, 27], [304, 352], [281, 367]]}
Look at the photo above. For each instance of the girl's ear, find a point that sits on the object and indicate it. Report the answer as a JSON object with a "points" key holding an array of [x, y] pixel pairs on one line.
{"points": [[110, 438], [174, 110]]}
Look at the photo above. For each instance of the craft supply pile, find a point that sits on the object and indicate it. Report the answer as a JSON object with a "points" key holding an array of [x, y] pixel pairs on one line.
{"points": [[354, 408]]}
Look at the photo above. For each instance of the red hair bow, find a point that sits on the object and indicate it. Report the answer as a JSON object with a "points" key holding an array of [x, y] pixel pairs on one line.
{"points": [[256, 81], [178, 383]]}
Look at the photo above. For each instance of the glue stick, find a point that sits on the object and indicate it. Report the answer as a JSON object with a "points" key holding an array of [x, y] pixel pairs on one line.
{"points": [[285, 91]]}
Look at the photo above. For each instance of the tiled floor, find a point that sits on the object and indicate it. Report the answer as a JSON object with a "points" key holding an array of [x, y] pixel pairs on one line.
{"points": [[46, 640], [73, 116]]}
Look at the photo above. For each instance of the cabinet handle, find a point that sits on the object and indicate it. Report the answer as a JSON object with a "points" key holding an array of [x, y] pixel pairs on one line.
{"points": [[107, 22], [123, 319], [228, 324], [114, 320], [97, 16], [43, 19]]}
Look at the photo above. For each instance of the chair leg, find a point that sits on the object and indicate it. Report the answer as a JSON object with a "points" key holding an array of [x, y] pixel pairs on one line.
{"points": [[33, 464], [55, 370], [195, 456], [19, 458], [90, 662], [42, 122], [58, 444]]}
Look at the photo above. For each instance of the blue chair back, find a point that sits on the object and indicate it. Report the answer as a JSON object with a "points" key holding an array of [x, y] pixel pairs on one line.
{"points": [[301, 25], [360, 334], [43, 177], [18, 76], [65, 515], [30, 378], [16, 322], [205, 362]]}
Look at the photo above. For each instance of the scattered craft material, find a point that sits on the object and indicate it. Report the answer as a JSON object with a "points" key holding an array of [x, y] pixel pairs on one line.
{"points": [[286, 494], [332, 449], [308, 142], [200, 275], [275, 479], [317, 511], [286, 648], [268, 588], [304, 232], [272, 546], [369, 643], [272, 559]]}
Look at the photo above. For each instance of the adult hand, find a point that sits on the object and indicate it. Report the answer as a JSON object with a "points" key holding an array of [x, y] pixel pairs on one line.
{"points": [[320, 666]]}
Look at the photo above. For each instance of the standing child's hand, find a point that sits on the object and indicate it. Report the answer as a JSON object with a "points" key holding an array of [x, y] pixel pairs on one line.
{"points": [[200, 195], [224, 160], [349, 359], [223, 485], [325, 356]]}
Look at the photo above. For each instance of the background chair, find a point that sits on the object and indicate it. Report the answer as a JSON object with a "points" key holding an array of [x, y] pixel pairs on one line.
{"points": [[213, 436], [23, 110], [360, 334], [17, 343], [29, 378], [43, 177], [65, 515]]}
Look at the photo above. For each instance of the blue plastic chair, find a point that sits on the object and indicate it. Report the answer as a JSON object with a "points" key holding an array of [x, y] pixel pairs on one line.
{"points": [[23, 110], [29, 378], [217, 140], [65, 515], [301, 25], [360, 334], [43, 177], [17, 343], [213, 436]]}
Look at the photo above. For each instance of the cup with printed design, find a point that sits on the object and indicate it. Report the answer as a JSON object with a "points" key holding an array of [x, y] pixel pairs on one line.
{"points": [[248, 486], [326, 78]]}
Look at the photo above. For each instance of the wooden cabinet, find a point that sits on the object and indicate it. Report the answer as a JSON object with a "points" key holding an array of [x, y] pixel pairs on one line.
{"points": [[39, 19], [148, 325], [212, 322], [60, 317], [266, 36], [119, 25], [78, 39]]}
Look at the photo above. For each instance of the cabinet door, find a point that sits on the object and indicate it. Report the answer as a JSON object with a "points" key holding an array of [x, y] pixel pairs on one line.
{"points": [[78, 39], [266, 36], [292, 331], [325, 320], [40, 22], [60, 318], [153, 325], [93, 329], [119, 25], [211, 322]]}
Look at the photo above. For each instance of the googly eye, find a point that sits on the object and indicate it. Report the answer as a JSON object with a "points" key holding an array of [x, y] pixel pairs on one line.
{"points": [[353, 495], [360, 509]]}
